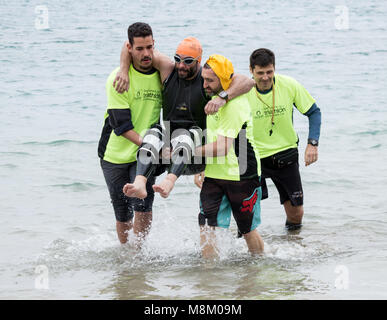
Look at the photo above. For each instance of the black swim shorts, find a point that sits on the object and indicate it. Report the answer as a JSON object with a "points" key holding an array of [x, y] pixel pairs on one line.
{"points": [[218, 198], [287, 180], [116, 176]]}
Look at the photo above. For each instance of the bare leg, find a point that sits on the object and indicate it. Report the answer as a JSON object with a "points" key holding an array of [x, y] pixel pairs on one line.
{"points": [[208, 242], [293, 214], [254, 242], [123, 230], [141, 226], [137, 189], [166, 186]]}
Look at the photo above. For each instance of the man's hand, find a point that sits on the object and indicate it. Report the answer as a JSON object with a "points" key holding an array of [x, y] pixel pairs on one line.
{"points": [[213, 105], [121, 82], [198, 179], [311, 154]]}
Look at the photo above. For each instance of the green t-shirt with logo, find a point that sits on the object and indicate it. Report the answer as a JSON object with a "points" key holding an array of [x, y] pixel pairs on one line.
{"points": [[228, 122], [288, 93], [144, 101]]}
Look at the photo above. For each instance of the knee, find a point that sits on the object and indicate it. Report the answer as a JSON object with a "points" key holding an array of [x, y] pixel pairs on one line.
{"points": [[294, 211], [253, 234], [143, 215], [151, 146]]}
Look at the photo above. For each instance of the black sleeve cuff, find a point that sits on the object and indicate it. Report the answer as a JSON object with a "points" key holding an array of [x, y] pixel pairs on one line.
{"points": [[120, 120], [125, 127]]}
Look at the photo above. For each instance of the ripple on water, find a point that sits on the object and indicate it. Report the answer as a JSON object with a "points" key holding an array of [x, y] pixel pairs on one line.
{"points": [[371, 132], [57, 142], [16, 153], [9, 166], [75, 186]]}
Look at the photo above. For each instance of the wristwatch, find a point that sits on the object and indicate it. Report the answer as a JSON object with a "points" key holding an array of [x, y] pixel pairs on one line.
{"points": [[223, 95], [313, 142]]}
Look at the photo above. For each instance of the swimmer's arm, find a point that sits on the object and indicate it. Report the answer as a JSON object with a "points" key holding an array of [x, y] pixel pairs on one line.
{"points": [[218, 148], [121, 81], [240, 85], [160, 61], [163, 63]]}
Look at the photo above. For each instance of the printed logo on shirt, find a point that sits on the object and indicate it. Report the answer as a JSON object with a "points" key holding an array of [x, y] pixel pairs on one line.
{"points": [[182, 107], [148, 94], [267, 112]]}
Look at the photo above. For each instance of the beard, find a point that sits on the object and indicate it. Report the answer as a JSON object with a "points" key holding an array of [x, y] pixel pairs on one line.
{"points": [[209, 93], [187, 74]]}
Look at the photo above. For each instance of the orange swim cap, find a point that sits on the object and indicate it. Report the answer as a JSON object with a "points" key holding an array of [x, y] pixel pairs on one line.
{"points": [[191, 47], [223, 69]]}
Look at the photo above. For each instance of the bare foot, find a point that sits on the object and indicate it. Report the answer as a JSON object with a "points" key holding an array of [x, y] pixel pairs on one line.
{"points": [[165, 187], [137, 189]]}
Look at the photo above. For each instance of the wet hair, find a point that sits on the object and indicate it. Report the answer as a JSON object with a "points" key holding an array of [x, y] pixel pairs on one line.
{"points": [[262, 57], [139, 29]]}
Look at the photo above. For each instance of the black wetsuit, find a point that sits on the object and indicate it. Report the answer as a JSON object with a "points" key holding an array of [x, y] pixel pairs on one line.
{"points": [[183, 108], [184, 102]]}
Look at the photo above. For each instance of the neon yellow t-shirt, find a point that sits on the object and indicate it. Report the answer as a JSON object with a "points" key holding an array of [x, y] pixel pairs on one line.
{"points": [[228, 122], [288, 93], [144, 101]]}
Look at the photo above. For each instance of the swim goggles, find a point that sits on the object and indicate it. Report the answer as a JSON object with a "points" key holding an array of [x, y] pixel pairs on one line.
{"points": [[187, 61]]}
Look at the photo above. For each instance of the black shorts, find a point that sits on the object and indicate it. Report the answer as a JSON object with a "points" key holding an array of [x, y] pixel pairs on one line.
{"points": [[286, 179], [218, 198], [116, 176]]}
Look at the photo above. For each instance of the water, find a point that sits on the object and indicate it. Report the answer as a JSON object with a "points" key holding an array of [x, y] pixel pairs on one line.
{"points": [[55, 210]]}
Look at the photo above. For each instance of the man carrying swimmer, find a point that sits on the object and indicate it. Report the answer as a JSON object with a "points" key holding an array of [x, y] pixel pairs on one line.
{"points": [[232, 177], [128, 116]]}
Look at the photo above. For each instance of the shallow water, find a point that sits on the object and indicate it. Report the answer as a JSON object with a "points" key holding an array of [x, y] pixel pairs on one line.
{"points": [[55, 211]]}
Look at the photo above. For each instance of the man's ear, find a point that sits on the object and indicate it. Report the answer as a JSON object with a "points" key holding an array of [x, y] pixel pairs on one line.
{"points": [[128, 46]]}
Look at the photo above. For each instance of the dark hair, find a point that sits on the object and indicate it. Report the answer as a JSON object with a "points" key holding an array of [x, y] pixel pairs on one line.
{"points": [[262, 57], [139, 29]]}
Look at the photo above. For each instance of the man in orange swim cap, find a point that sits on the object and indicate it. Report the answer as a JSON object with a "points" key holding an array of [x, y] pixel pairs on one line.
{"points": [[185, 104], [191, 50]]}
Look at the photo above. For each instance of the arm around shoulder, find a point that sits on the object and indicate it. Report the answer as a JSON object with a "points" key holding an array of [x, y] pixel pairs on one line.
{"points": [[162, 63], [121, 82], [240, 85]]}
